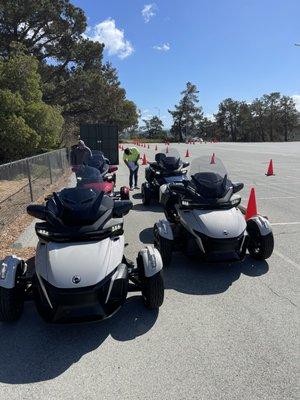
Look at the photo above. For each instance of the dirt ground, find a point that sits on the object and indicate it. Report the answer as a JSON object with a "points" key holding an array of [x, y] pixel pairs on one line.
{"points": [[7, 188], [10, 232]]}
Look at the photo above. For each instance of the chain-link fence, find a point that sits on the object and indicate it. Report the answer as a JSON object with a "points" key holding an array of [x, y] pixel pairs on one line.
{"points": [[23, 181]]}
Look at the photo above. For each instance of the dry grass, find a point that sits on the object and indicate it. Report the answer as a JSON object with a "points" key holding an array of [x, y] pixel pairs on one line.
{"points": [[9, 233], [8, 188]]}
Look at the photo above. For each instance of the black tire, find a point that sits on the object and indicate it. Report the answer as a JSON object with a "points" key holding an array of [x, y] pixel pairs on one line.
{"points": [[259, 247], [164, 246], [11, 304], [146, 195], [153, 288], [153, 291]]}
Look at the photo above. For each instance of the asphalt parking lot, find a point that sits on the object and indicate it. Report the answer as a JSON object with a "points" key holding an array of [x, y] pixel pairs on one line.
{"points": [[223, 332]]}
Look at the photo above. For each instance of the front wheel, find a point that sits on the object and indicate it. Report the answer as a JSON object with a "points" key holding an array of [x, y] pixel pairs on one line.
{"points": [[153, 291], [152, 287], [260, 247], [146, 195], [11, 304], [164, 246]]}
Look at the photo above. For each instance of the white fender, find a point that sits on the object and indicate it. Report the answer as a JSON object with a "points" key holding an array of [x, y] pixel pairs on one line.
{"points": [[165, 229], [162, 190], [152, 261], [262, 223], [8, 270]]}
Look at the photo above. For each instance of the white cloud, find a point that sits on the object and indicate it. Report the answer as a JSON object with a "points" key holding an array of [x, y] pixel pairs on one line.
{"points": [[149, 11], [210, 117], [163, 47], [296, 98], [114, 39]]}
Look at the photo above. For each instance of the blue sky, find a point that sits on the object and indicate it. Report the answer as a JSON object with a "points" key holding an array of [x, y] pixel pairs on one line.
{"points": [[228, 48]]}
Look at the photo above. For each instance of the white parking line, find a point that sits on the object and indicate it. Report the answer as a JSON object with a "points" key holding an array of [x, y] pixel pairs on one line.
{"points": [[284, 223], [287, 259], [278, 197]]}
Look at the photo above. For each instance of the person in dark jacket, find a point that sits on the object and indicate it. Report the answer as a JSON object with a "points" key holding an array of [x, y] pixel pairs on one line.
{"points": [[80, 154]]}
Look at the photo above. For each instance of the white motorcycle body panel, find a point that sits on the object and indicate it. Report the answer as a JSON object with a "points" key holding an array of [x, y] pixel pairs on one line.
{"points": [[263, 224], [58, 263], [152, 261], [218, 224]]}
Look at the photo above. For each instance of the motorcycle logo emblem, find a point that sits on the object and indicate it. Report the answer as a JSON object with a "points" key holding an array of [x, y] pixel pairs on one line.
{"points": [[225, 232], [76, 279]]}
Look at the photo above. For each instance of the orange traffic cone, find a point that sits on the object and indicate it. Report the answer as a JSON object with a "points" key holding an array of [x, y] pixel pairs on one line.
{"points": [[187, 154], [213, 159], [156, 148], [167, 150], [270, 171], [144, 160], [251, 210]]}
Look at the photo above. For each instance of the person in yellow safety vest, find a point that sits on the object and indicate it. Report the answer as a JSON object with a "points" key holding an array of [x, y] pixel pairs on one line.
{"points": [[131, 158]]}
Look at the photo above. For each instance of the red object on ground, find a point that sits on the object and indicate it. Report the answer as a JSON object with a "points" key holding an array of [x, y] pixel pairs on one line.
{"points": [[213, 159], [144, 160], [167, 150], [124, 192], [187, 154], [251, 207], [270, 171], [156, 148]]}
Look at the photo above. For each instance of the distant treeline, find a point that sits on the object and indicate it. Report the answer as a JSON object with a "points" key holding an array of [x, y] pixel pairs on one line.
{"points": [[269, 118]]}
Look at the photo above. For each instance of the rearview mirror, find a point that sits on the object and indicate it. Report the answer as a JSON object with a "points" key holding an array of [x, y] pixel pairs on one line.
{"points": [[237, 187], [36, 211]]}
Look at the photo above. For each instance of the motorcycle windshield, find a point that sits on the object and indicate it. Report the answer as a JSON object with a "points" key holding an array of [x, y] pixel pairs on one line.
{"points": [[89, 178], [82, 202], [97, 160], [170, 160], [209, 176]]}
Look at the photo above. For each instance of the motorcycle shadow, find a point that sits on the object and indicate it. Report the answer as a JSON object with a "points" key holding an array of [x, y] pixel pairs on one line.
{"points": [[195, 276], [33, 351], [155, 207]]}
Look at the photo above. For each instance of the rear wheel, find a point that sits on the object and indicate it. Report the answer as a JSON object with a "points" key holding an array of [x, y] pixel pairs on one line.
{"points": [[146, 195], [259, 247], [165, 246]]}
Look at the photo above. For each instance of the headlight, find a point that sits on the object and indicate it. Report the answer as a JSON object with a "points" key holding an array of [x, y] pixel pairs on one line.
{"points": [[42, 232], [236, 201], [116, 227], [185, 203]]}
